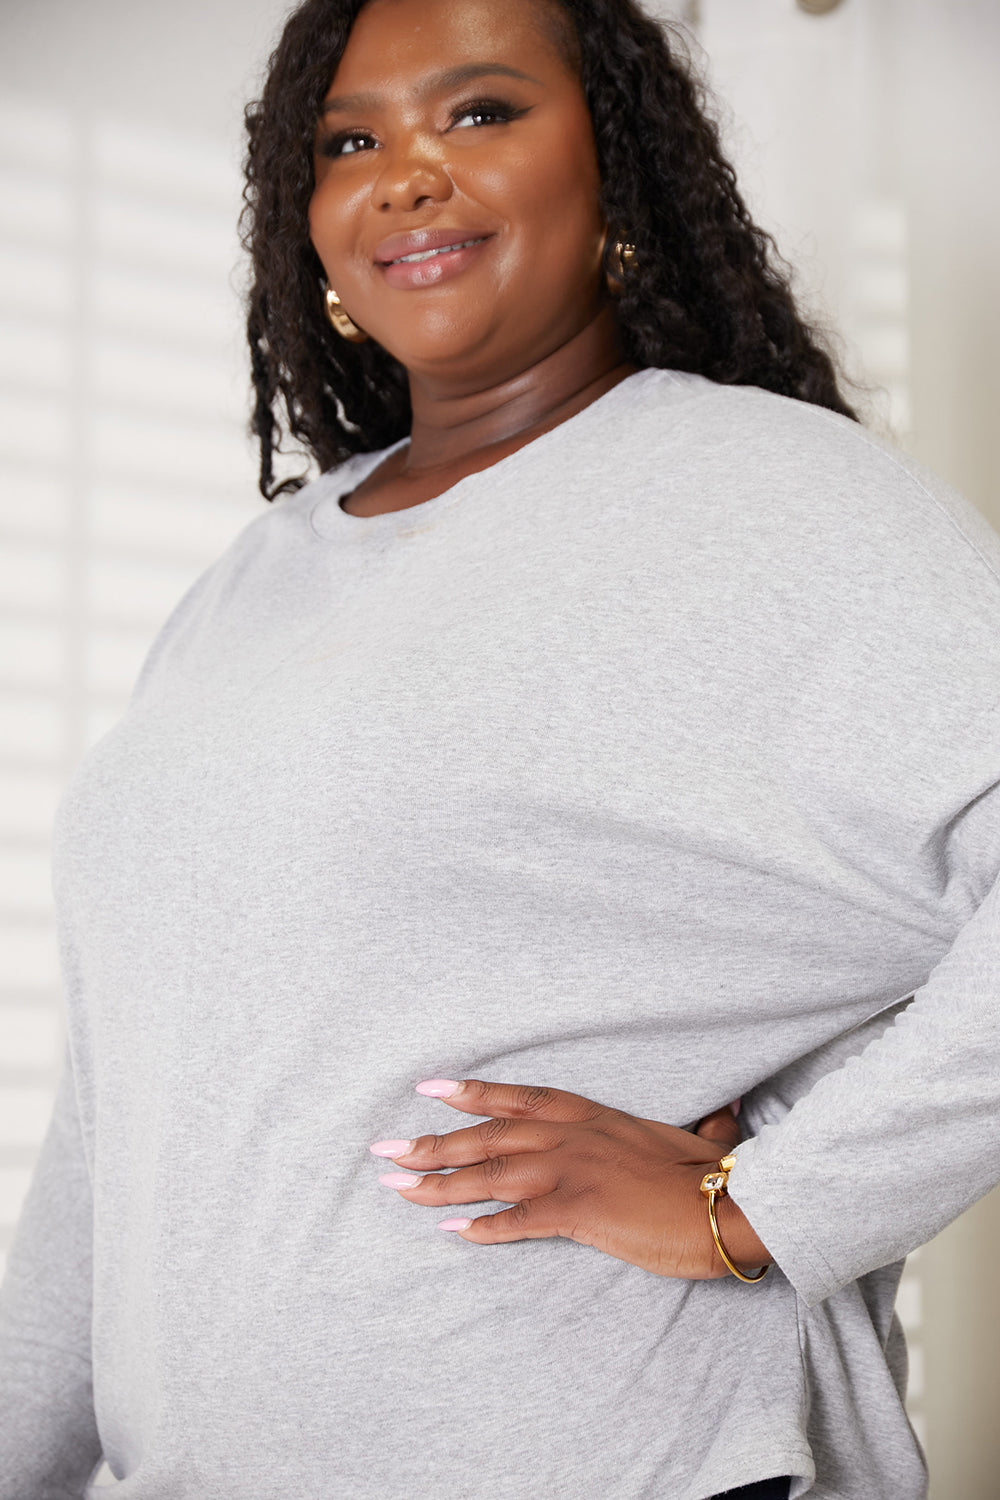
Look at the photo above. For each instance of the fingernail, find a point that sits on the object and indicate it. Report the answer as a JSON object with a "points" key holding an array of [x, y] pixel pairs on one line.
{"points": [[454, 1223], [735, 1106], [399, 1179], [390, 1148], [437, 1088]]}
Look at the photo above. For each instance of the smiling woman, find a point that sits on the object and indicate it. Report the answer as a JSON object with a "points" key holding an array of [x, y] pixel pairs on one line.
{"points": [[469, 183], [518, 127], [438, 161], [585, 751]]}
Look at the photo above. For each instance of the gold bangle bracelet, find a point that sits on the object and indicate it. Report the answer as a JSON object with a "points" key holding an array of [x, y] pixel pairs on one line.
{"points": [[716, 1185]]}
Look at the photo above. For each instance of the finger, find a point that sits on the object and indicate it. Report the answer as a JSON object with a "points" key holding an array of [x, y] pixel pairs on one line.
{"points": [[479, 1143], [720, 1126], [534, 1219], [514, 1101], [505, 1179]]}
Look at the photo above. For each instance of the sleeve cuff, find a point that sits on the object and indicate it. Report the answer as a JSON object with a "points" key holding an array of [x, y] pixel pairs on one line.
{"points": [[773, 1221]]}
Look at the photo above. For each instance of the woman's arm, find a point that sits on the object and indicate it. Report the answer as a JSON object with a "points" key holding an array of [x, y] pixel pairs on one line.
{"points": [[49, 1445], [882, 1154], [872, 1162]]}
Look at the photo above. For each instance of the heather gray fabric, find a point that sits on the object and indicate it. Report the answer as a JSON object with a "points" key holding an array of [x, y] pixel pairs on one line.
{"points": [[657, 762]]}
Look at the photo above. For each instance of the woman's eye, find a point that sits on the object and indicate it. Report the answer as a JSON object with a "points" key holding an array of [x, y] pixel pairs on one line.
{"points": [[478, 111], [345, 144], [486, 112]]}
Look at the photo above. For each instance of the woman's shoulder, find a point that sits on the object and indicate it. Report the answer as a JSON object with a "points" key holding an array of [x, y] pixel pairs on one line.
{"points": [[775, 453]]}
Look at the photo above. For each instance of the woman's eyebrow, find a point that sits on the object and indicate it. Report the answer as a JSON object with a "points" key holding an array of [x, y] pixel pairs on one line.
{"points": [[451, 78]]}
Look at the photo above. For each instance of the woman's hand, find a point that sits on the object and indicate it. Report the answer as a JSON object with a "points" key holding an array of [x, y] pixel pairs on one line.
{"points": [[571, 1167]]}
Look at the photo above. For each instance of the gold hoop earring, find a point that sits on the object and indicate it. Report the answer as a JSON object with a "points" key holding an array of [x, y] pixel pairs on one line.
{"points": [[622, 261], [339, 319]]}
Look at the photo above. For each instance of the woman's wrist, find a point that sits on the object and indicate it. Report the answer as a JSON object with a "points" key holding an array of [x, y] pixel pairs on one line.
{"points": [[740, 1239]]}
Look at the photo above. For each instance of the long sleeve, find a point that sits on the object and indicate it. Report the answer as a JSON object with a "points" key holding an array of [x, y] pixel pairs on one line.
{"points": [[49, 1445], [647, 764], [881, 1154]]}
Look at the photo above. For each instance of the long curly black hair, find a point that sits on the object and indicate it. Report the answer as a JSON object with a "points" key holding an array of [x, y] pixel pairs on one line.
{"points": [[707, 290]]}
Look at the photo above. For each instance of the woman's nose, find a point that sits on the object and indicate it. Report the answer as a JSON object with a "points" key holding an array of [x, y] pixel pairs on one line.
{"points": [[411, 173]]}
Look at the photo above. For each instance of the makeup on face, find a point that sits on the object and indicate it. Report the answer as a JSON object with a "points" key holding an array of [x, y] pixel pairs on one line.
{"points": [[456, 207], [427, 257]]}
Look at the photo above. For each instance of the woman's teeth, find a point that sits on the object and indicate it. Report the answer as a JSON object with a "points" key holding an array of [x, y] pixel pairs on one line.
{"points": [[426, 254]]}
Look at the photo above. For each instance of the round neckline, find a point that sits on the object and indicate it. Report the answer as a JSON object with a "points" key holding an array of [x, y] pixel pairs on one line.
{"points": [[329, 520]]}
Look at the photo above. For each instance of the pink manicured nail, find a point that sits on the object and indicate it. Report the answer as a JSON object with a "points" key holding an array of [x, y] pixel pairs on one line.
{"points": [[437, 1088], [390, 1148], [400, 1179], [454, 1223], [735, 1106]]}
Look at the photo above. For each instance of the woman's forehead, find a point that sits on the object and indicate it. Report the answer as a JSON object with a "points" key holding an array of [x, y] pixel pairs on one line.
{"points": [[395, 37]]}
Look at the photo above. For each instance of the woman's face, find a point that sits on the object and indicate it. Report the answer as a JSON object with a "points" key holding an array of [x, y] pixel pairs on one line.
{"points": [[450, 121]]}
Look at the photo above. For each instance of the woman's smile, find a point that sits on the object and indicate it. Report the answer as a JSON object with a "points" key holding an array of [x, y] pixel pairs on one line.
{"points": [[454, 156], [429, 267]]}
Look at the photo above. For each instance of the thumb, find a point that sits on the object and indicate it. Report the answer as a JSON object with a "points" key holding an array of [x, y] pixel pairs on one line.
{"points": [[722, 1126]]}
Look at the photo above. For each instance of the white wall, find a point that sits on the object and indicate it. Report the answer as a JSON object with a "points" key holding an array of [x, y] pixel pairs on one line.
{"points": [[864, 138]]}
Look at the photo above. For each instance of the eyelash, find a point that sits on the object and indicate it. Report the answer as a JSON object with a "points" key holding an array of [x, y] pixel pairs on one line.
{"points": [[505, 111]]}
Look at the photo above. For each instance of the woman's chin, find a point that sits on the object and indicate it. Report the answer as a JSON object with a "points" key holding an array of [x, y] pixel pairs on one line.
{"points": [[436, 351]]}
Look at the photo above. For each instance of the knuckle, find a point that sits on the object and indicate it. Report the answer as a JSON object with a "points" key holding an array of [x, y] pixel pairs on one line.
{"points": [[519, 1213], [492, 1132], [429, 1145], [494, 1168], [594, 1159], [532, 1098]]}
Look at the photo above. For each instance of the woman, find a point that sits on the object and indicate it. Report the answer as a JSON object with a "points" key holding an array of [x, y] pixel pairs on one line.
{"points": [[605, 737]]}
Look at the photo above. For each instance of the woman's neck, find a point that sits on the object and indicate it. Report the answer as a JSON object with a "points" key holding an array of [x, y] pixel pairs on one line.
{"points": [[453, 426]]}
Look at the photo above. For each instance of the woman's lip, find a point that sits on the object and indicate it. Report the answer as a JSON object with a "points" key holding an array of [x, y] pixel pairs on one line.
{"points": [[415, 241], [437, 268], [426, 251]]}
